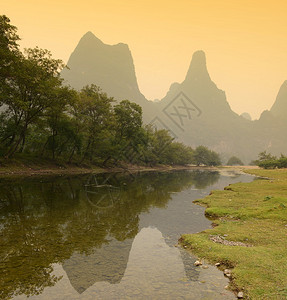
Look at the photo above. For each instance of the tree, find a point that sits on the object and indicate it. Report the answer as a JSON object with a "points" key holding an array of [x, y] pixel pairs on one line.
{"points": [[214, 159], [9, 49], [203, 156], [235, 161], [29, 93], [9, 56], [128, 117], [266, 156], [59, 121], [130, 138], [179, 154], [93, 110], [268, 161], [160, 145]]}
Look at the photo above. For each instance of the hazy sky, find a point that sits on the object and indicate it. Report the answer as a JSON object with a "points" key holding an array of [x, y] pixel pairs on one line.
{"points": [[244, 40]]}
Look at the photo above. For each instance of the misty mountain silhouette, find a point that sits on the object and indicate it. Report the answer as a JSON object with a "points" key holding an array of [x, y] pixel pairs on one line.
{"points": [[110, 67], [195, 111], [279, 108]]}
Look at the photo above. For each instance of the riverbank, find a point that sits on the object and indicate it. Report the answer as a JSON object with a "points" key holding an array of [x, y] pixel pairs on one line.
{"points": [[249, 237], [40, 167]]}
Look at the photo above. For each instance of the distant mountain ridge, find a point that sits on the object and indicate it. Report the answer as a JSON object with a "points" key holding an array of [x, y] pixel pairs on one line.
{"points": [[195, 111]]}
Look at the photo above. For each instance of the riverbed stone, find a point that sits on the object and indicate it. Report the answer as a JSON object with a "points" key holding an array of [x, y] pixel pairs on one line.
{"points": [[227, 273], [198, 263]]}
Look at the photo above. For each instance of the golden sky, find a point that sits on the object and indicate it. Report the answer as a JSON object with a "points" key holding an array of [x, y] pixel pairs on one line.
{"points": [[245, 41]]}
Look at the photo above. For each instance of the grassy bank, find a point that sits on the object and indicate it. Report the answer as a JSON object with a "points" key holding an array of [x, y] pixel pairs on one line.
{"points": [[250, 234]]}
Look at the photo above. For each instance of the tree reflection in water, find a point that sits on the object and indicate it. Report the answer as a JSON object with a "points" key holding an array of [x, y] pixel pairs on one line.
{"points": [[51, 220]]}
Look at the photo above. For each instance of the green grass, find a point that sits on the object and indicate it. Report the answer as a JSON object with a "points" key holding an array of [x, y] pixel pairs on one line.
{"points": [[253, 213]]}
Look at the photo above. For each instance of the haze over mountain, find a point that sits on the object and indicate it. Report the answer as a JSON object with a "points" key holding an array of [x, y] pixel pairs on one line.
{"points": [[195, 111], [279, 108], [109, 66]]}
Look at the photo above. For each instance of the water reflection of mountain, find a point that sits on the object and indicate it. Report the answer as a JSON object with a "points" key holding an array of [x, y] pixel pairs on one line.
{"points": [[107, 263], [103, 194], [46, 221]]}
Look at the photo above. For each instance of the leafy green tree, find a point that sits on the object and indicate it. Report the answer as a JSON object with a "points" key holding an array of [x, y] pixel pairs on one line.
{"points": [[157, 145], [203, 156], [9, 50], [29, 93], [234, 161], [93, 110], [214, 159], [268, 161], [266, 156], [58, 121], [160, 145], [9, 56], [130, 138], [179, 154], [128, 117]]}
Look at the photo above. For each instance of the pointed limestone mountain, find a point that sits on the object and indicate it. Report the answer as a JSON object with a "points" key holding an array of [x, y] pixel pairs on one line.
{"points": [[197, 71], [199, 87], [109, 66], [197, 113], [279, 108]]}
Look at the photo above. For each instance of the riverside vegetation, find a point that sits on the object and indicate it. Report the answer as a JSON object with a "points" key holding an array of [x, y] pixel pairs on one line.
{"points": [[41, 118], [268, 161], [250, 234]]}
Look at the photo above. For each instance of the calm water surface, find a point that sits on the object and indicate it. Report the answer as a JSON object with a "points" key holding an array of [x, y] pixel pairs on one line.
{"points": [[108, 236]]}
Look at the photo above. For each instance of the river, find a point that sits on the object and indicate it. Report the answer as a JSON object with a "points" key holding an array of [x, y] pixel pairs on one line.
{"points": [[107, 236]]}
